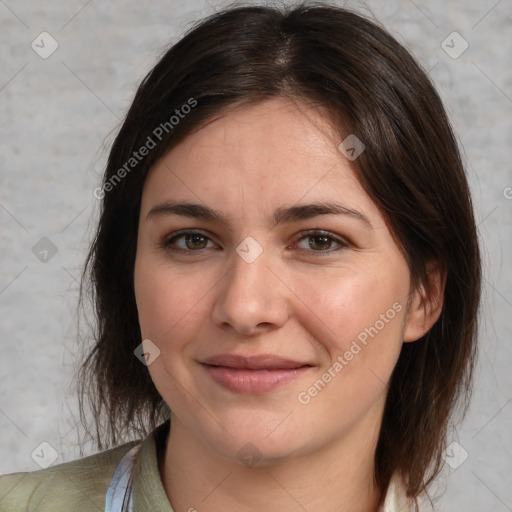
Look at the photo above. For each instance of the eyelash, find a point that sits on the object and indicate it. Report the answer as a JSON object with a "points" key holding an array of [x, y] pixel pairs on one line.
{"points": [[167, 242]]}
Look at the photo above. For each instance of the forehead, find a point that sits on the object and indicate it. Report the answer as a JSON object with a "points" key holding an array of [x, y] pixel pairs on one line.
{"points": [[259, 156]]}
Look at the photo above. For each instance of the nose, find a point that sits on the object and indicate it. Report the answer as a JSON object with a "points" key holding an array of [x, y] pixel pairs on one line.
{"points": [[251, 298]]}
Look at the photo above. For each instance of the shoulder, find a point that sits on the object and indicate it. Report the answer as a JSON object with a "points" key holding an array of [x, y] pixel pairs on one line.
{"points": [[79, 485]]}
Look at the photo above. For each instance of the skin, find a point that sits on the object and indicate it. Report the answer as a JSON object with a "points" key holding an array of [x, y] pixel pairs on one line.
{"points": [[295, 300]]}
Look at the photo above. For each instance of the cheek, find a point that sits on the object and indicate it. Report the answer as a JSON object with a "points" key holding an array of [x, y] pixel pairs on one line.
{"points": [[358, 315], [357, 325], [171, 310], [169, 304]]}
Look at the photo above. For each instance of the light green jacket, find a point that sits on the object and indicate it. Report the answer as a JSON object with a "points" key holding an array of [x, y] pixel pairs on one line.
{"points": [[81, 485]]}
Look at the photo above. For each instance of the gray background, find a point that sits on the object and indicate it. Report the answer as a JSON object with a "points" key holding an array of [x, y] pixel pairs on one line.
{"points": [[58, 117]]}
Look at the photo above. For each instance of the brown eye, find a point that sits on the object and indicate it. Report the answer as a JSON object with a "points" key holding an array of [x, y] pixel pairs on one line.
{"points": [[195, 241], [322, 243], [188, 241]]}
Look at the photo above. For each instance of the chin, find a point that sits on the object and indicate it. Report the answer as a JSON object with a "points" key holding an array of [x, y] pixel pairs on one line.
{"points": [[253, 442], [259, 452]]}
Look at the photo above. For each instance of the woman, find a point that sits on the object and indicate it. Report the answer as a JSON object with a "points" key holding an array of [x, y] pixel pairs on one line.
{"points": [[287, 260]]}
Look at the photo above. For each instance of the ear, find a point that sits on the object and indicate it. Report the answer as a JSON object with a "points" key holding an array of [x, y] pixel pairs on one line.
{"points": [[426, 304]]}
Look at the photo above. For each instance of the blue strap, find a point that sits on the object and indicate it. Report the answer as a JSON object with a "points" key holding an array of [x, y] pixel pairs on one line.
{"points": [[120, 493]]}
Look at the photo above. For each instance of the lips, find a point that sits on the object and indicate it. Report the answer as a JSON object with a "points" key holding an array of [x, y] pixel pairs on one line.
{"points": [[253, 374], [257, 362]]}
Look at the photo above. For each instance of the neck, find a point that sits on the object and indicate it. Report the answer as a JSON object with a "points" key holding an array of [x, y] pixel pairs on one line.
{"points": [[338, 477]]}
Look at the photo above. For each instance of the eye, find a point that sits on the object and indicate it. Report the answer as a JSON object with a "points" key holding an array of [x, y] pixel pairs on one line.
{"points": [[186, 241], [190, 241], [321, 242]]}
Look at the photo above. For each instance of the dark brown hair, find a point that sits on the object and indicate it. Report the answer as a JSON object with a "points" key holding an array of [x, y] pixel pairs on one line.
{"points": [[370, 86]]}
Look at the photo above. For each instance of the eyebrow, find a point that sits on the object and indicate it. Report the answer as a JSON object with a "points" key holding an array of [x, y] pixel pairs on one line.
{"points": [[282, 215]]}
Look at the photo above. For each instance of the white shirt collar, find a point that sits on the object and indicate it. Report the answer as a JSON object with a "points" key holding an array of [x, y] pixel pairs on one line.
{"points": [[396, 500]]}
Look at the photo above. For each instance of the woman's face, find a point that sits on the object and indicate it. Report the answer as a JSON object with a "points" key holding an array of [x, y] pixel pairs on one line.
{"points": [[311, 305]]}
